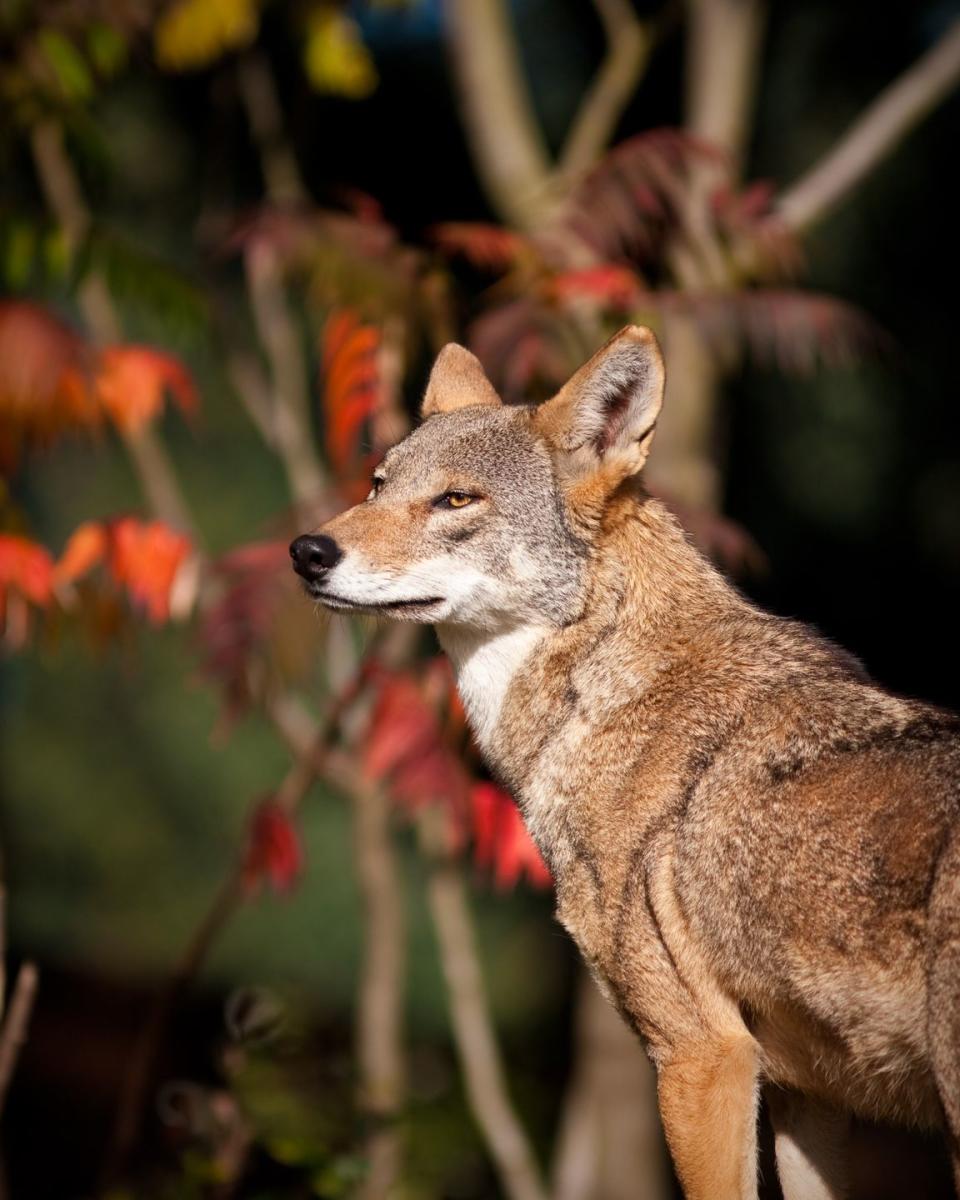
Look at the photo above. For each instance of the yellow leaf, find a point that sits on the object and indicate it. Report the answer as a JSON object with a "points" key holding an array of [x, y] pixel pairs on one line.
{"points": [[335, 58], [194, 33]]}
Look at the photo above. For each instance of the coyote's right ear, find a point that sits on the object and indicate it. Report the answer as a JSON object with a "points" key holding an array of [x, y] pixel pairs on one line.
{"points": [[604, 416], [457, 381]]}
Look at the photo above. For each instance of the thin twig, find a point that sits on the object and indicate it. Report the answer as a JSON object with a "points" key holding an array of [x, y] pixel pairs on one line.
{"points": [[874, 134], [13, 1034], [629, 42], [508, 146], [476, 1042], [281, 175], [64, 197], [284, 408], [290, 389], [379, 1035], [228, 898]]}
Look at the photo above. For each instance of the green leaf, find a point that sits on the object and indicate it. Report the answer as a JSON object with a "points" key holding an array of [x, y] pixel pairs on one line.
{"points": [[72, 74], [107, 48], [56, 253], [19, 251]]}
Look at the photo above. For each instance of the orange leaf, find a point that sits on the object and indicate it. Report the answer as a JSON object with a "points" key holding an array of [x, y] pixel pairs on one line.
{"points": [[489, 247], [145, 558], [86, 546], [608, 283], [351, 383], [131, 382], [42, 386], [27, 567]]}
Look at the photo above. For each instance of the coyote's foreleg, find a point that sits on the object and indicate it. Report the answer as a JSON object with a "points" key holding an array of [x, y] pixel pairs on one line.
{"points": [[708, 1101]]}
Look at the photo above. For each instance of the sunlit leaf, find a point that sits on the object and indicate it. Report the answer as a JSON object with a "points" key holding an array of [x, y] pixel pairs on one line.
{"points": [[613, 285], [501, 841], [489, 247], [145, 558], [86, 547], [350, 387], [42, 392], [131, 381], [27, 567], [334, 56], [192, 34]]}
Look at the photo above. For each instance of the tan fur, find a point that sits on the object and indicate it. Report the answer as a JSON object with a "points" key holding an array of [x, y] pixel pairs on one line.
{"points": [[457, 381], [756, 848]]}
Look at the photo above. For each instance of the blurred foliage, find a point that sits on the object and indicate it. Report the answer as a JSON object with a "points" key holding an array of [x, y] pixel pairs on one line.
{"points": [[132, 755]]}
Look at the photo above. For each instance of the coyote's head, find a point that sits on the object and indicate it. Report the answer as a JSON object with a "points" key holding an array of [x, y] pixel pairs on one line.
{"points": [[485, 516]]}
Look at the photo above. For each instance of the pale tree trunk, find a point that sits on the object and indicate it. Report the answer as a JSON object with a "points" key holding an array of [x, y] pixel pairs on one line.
{"points": [[610, 1144], [722, 55]]}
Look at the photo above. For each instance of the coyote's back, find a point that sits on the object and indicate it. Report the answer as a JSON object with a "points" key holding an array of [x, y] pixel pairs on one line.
{"points": [[756, 847]]}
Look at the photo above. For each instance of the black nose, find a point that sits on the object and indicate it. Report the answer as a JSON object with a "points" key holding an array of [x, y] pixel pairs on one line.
{"points": [[314, 554]]}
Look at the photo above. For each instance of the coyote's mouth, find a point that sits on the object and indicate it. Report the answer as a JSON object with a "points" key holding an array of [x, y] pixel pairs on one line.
{"points": [[341, 602]]}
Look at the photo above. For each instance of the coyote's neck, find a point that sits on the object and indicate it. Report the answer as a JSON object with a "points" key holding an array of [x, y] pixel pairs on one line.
{"points": [[647, 586], [486, 664]]}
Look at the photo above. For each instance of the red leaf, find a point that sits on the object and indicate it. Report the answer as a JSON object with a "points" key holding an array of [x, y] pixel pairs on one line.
{"points": [[27, 567], [489, 247], [406, 747], [609, 283], [130, 383], [144, 557], [403, 727], [42, 392], [240, 621], [501, 840], [86, 546], [274, 851]]}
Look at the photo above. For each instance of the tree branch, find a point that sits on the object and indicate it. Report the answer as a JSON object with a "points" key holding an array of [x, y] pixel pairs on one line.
{"points": [[65, 200], [281, 174], [874, 134], [610, 1146], [508, 148], [629, 42], [380, 998], [473, 1031], [722, 59], [307, 766], [290, 408], [13, 1033]]}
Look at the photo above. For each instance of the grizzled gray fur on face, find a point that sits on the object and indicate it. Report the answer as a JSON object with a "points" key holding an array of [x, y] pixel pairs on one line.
{"points": [[464, 513]]}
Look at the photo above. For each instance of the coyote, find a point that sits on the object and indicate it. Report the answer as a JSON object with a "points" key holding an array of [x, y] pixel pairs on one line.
{"points": [[755, 846]]}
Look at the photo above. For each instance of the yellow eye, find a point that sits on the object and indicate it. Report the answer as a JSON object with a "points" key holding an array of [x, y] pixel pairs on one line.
{"points": [[458, 499]]}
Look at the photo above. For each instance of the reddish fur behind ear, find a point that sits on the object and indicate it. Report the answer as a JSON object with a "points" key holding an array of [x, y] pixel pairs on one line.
{"points": [[457, 381]]}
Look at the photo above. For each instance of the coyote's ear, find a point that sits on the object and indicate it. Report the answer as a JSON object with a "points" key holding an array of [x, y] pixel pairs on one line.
{"points": [[457, 381], [606, 413]]}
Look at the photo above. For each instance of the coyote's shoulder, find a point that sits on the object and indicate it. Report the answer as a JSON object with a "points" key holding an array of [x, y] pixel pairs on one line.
{"points": [[712, 788], [755, 846]]}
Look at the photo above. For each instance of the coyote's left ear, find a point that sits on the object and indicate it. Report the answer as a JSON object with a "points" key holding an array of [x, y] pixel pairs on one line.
{"points": [[457, 381], [604, 416]]}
